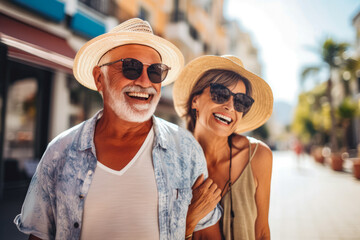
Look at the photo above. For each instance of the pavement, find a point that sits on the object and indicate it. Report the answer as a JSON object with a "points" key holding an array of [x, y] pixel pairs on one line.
{"points": [[311, 201], [308, 201]]}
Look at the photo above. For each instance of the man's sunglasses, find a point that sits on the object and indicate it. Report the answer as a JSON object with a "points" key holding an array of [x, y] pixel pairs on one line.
{"points": [[133, 68], [221, 94]]}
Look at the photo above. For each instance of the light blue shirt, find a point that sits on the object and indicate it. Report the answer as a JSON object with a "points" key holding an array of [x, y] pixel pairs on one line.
{"points": [[54, 204]]}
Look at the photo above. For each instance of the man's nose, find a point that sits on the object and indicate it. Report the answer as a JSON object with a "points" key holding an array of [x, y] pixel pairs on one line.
{"points": [[144, 80]]}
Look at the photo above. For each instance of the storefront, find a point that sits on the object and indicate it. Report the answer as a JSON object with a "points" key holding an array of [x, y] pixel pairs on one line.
{"points": [[30, 61]]}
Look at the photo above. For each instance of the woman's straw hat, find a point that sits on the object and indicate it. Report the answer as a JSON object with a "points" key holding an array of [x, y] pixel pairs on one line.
{"points": [[260, 111], [133, 31]]}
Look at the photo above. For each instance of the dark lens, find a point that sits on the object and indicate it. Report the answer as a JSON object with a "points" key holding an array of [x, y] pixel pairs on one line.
{"points": [[219, 93], [242, 102], [132, 68], [157, 72]]}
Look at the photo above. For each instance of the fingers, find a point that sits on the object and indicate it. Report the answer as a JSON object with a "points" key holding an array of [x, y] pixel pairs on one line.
{"points": [[217, 192], [213, 187], [205, 186], [198, 181], [207, 183]]}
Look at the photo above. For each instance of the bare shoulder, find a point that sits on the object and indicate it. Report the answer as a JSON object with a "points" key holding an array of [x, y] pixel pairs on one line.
{"points": [[262, 160]]}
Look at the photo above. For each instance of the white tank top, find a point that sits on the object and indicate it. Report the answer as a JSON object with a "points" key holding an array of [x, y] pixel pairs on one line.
{"points": [[123, 204]]}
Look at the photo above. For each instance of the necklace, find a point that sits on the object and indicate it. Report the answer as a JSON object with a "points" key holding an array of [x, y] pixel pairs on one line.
{"points": [[229, 183]]}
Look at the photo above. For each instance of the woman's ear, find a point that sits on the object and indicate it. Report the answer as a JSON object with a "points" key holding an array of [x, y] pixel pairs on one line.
{"points": [[195, 102], [98, 78]]}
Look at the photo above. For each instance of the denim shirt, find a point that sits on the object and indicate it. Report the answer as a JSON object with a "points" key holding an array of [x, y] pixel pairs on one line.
{"points": [[54, 204]]}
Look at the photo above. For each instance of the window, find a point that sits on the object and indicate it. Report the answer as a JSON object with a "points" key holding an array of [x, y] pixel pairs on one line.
{"points": [[144, 14], [193, 32], [102, 6]]}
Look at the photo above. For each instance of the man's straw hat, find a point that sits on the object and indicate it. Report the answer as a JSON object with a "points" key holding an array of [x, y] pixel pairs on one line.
{"points": [[261, 109], [133, 31]]}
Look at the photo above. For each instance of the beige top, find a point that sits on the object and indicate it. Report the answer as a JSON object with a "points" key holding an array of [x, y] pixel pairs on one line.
{"points": [[244, 205]]}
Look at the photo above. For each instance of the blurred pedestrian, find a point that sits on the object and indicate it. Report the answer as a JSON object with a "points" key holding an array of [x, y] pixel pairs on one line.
{"points": [[220, 100], [123, 174], [298, 149]]}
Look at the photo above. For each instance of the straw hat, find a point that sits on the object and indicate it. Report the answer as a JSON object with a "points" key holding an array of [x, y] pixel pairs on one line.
{"points": [[133, 31], [259, 112]]}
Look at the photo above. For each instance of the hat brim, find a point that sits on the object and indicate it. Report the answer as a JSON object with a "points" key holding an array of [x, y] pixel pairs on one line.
{"points": [[259, 112], [88, 56]]}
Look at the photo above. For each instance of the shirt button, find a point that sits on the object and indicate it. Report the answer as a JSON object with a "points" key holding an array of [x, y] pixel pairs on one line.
{"points": [[81, 196], [76, 225]]}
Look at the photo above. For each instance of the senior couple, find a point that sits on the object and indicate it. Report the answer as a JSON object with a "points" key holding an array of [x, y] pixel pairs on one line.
{"points": [[126, 174]]}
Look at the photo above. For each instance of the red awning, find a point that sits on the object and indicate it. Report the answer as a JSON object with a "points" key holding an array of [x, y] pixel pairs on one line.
{"points": [[34, 45]]}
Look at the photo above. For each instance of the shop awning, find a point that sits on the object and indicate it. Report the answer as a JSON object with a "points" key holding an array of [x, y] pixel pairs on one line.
{"points": [[34, 45]]}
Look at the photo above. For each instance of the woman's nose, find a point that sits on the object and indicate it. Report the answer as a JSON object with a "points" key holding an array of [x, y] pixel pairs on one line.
{"points": [[229, 105]]}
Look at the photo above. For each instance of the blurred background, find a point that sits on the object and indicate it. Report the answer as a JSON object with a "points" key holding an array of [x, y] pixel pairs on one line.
{"points": [[308, 52]]}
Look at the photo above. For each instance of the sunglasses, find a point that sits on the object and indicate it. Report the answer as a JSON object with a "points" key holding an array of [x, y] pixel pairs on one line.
{"points": [[133, 68], [221, 94]]}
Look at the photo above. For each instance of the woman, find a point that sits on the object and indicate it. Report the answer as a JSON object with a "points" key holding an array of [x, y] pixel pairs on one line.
{"points": [[221, 99]]}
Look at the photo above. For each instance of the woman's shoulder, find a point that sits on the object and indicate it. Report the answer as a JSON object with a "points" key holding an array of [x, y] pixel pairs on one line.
{"points": [[259, 149], [262, 157]]}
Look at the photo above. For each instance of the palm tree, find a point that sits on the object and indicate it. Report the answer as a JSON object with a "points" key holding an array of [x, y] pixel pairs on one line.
{"points": [[332, 58], [349, 71]]}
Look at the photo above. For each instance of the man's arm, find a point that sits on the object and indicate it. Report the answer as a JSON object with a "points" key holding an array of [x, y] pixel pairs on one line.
{"points": [[35, 216], [212, 232]]}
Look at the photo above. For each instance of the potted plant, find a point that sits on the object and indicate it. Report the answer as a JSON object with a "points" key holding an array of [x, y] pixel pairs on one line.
{"points": [[336, 161], [356, 164], [356, 168], [346, 111], [318, 155]]}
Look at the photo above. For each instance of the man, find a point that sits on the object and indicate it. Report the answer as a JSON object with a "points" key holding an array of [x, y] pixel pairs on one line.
{"points": [[123, 174]]}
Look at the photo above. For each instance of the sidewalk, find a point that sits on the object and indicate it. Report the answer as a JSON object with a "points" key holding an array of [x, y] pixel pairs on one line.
{"points": [[311, 201]]}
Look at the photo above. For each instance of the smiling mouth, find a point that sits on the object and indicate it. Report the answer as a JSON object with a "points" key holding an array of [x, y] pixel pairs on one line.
{"points": [[222, 118], [139, 95]]}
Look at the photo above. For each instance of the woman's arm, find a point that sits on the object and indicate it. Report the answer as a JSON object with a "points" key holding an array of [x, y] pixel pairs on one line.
{"points": [[212, 232], [262, 168], [32, 237], [206, 195]]}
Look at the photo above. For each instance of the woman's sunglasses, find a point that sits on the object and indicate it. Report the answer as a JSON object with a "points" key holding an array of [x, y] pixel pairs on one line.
{"points": [[221, 94], [133, 68]]}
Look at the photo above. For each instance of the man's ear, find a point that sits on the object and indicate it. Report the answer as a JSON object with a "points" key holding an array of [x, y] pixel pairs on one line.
{"points": [[195, 102], [98, 78]]}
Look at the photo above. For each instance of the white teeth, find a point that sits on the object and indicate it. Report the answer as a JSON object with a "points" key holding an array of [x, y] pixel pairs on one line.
{"points": [[222, 118], [138, 94]]}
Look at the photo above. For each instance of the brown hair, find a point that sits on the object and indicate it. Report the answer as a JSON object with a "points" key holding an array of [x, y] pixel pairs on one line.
{"points": [[224, 77]]}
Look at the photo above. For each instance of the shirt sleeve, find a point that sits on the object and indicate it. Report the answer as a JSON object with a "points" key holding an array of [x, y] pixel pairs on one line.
{"points": [[210, 219], [37, 217], [201, 168]]}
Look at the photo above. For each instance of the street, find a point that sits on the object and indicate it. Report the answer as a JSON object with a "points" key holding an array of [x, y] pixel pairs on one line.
{"points": [[311, 201], [308, 201]]}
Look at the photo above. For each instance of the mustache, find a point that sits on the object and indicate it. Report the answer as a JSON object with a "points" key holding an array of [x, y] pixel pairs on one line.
{"points": [[135, 88]]}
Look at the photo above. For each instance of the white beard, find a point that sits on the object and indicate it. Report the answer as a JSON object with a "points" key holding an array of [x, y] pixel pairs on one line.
{"points": [[133, 112]]}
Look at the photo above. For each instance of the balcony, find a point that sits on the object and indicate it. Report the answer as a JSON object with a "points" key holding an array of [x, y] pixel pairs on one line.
{"points": [[181, 35]]}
